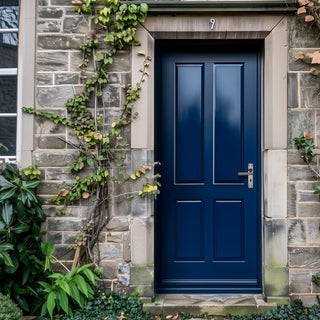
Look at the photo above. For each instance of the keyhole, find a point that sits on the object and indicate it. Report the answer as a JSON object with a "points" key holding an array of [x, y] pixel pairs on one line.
{"points": [[212, 21]]}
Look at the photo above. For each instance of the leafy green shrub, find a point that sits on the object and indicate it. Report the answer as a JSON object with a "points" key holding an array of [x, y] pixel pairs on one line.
{"points": [[111, 306], [68, 290], [21, 215], [8, 309], [296, 312]]}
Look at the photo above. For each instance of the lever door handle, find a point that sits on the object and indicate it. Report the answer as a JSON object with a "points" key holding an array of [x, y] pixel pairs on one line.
{"points": [[248, 174]]}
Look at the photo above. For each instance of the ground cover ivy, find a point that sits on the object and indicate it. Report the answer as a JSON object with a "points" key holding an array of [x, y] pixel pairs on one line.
{"points": [[102, 148]]}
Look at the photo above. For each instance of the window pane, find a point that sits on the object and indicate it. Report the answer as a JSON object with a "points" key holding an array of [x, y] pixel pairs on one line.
{"points": [[8, 52], [8, 135], [9, 15], [8, 94]]}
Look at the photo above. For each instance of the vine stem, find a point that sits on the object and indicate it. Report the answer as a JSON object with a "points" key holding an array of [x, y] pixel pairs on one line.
{"points": [[313, 169]]}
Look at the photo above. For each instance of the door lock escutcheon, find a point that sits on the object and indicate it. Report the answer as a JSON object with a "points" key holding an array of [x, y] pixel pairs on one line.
{"points": [[249, 174]]}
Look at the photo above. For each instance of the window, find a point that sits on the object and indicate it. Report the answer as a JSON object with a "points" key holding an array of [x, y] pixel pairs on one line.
{"points": [[9, 17]]}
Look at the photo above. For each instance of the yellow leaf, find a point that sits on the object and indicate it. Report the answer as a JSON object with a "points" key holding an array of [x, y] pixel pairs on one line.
{"points": [[302, 10], [307, 136], [299, 55], [303, 2], [176, 316], [76, 2], [140, 193], [142, 53], [85, 195], [314, 71], [308, 18], [81, 165], [133, 176], [113, 124], [63, 192], [169, 316]]}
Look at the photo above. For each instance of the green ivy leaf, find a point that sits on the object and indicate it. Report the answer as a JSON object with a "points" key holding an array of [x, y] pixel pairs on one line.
{"points": [[7, 212]]}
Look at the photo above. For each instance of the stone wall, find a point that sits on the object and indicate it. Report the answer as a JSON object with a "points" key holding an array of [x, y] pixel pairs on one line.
{"points": [[60, 32], [303, 205]]}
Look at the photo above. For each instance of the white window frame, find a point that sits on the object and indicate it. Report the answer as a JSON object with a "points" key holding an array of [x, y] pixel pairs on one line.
{"points": [[9, 72]]}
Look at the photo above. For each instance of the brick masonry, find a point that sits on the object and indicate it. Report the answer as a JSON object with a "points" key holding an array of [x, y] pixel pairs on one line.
{"points": [[303, 206], [60, 31]]}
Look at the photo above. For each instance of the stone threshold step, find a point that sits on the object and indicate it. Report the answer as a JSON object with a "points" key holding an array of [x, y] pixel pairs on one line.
{"points": [[213, 304]]}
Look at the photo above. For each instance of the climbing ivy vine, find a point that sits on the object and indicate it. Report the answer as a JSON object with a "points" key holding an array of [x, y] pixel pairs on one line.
{"points": [[102, 149]]}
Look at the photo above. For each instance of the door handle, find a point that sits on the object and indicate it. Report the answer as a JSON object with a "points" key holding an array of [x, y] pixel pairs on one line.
{"points": [[249, 174]]}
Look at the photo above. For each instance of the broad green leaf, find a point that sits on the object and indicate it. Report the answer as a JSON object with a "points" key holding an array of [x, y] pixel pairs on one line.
{"points": [[90, 275], [7, 212], [5, 184], [12, 268], [25, 274], [63, 300], [144, 7], [51, 302], [30, 184], [46, 285], [20, 228], [44, 309], [22, 303], [74, 293], [63, 284], [32, 291], [90, 162], [7, 193], [6, 246], [47, 248], [6, 258], [56, 275], [81, 284]]}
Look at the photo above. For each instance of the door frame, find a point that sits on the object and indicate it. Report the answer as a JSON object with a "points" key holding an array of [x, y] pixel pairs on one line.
{"points": [[273, 30]]}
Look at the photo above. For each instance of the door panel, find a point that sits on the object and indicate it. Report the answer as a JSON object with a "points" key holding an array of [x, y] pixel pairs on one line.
{"points": [[207, 219]]}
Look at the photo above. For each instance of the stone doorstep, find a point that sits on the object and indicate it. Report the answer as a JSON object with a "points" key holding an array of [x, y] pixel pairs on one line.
{"points": [[213, 304]]}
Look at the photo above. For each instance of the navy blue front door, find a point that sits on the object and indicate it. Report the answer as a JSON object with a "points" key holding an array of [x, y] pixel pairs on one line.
{"points": [[208, 124]]}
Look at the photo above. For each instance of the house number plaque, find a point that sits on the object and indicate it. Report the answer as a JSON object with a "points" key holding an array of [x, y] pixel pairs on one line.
{"points": [[213, 22]]}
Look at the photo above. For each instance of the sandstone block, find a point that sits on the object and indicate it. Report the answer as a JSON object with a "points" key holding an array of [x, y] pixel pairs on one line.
{"points": [[65, 224], [110, 270], [110, 251], [60, 42], [118, 224], [297, 232], [300, 282], [50, 13], [66, 78], [49, 26], [306, 257], [52, 61]]}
